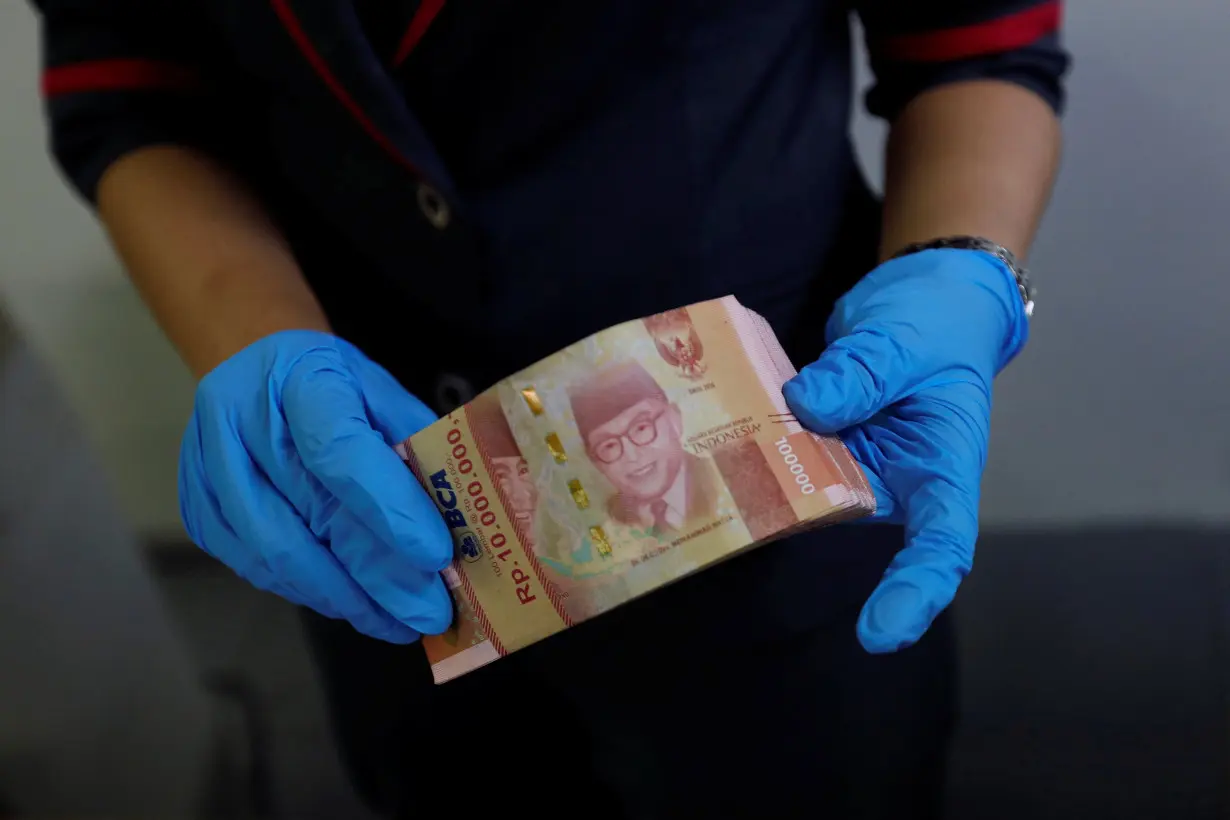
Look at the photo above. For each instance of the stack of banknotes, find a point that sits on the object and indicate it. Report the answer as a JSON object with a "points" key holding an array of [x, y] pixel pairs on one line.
{"points": [[620, 464]]}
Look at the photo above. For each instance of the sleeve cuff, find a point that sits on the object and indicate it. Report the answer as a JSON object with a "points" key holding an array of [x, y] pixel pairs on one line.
{"points": [[1039, 67]]}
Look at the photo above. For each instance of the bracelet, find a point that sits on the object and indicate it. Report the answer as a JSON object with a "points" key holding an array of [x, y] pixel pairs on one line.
{"points": [[977, 243]]}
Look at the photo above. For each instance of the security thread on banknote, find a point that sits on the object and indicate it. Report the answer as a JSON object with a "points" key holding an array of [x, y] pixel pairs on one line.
{"points": [[618, 465]]}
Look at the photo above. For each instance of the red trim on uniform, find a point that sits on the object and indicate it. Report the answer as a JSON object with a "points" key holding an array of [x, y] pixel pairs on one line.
{"points": [[117, 75], [992, 37], [423, 17], [291, 23]]}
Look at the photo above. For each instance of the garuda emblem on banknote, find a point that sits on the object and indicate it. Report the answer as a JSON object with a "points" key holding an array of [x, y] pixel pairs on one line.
{"points": [[468, 543], [677, 342]]}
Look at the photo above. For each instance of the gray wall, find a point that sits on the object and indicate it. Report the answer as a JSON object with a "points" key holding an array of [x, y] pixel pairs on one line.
{"points": [[64, 289], [101, 710], [1117, 409]]}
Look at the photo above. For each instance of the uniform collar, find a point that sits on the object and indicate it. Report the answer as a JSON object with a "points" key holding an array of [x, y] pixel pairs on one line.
{"points": [[328, 35]]}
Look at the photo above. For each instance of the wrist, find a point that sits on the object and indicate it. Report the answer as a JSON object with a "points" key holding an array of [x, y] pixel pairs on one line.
{"points": [[1008, 261], [271, 359], [241, 310], [1018, 296]]}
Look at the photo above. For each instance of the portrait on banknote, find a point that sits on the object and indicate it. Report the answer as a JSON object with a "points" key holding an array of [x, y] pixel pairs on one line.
{"points": [[633, 435], [615, 466], [510, 471]]}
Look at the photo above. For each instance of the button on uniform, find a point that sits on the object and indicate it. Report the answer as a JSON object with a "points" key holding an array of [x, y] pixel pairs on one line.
{"points": [[451, 392], [433, 206]]}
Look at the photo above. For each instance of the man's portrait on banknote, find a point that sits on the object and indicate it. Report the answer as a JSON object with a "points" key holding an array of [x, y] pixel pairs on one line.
{"points": [[512, 479], [633, 435], [509, 470]]}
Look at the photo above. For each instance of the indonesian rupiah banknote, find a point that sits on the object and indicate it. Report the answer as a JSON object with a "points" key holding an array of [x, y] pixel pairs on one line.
{"points": [[618, 465]]}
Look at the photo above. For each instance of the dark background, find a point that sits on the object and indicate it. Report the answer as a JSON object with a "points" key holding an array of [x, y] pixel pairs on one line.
{"points": [[1095, 671]]}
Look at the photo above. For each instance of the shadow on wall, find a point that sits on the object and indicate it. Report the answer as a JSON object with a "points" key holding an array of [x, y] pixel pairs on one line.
{"points": [[116, 370], [1095, 671], [102, 707]]}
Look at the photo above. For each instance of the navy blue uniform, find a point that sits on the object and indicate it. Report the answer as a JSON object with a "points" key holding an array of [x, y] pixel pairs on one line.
{"points": [[469, 186]]}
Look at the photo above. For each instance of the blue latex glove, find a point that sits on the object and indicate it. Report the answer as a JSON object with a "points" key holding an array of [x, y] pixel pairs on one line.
{"points": [[906, 381], [287, 476]]}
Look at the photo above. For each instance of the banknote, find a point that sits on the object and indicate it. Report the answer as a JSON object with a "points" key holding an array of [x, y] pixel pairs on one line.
{"points": [[620, 464]]}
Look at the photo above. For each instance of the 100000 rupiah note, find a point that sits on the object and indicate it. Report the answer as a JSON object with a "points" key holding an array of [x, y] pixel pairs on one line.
{"points": [[624, 462]]}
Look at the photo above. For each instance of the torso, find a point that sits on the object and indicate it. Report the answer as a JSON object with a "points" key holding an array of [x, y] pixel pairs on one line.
{"points": [[646, 157], [607, 160], [612, 158]]}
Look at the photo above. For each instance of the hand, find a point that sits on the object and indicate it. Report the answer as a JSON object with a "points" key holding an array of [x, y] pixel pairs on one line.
{"points": [[906, 382], [287, 475]]}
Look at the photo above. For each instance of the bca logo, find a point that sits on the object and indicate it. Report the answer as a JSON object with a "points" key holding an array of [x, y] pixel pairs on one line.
{"points": [[471, 549]]}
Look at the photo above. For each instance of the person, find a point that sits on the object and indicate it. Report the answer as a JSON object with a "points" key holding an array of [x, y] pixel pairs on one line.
{"points": [[348, 215], [634, 436]]}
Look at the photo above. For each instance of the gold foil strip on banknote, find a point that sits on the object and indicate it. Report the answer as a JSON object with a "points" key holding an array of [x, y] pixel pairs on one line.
{"points": [[578, 494], [532, 401], [641, 455], [556, 448], [598, 537]]}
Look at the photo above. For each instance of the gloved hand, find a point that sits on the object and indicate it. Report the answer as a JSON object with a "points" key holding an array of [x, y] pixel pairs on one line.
{"points": [[906, 382], [288, 477]]}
